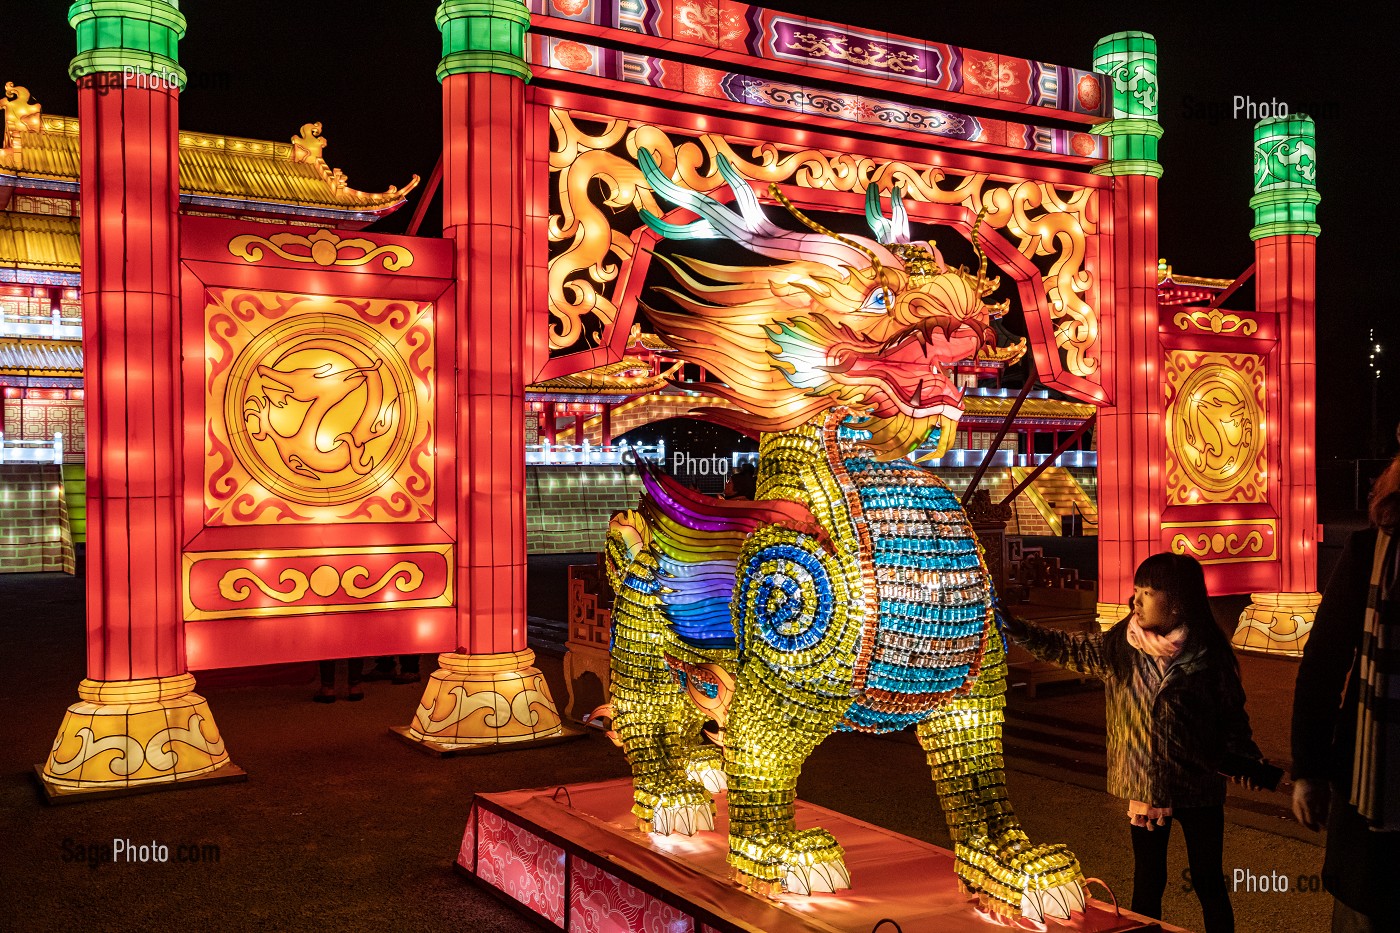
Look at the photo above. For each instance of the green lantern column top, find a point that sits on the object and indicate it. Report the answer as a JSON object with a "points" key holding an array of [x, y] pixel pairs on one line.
{"points": [[1285, 177], [1130, 61], [483, 36], [134, 37]]}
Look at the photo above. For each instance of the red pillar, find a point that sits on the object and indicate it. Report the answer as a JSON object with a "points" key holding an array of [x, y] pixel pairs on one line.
{"points": [[131, 371], [1130, 439], [483, 120], [483, 74], [605, 437], [137, 694], [1285, 273], [1285, 237], [551, 423]]}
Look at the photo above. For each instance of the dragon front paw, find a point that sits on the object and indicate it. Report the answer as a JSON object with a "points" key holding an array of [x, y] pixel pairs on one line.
{"points": [[801, 862], [706, 767], [1016, 880], [680, 806]]}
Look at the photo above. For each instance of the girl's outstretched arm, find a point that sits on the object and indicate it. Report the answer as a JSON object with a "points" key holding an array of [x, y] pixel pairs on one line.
{"points": [[1082, 653]]}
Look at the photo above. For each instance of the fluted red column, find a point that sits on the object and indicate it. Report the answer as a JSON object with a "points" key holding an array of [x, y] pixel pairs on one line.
{"points": [[483, 117], [1285, 239], [1130, 440], [137, 699], [488, 692], [131, 376]]}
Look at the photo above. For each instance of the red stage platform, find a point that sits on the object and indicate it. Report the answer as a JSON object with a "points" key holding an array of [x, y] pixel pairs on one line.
{"points": [[570, 857]]}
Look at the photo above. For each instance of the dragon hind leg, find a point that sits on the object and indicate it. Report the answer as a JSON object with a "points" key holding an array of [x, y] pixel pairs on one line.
{"points": [[658, 728], [995, 860]]}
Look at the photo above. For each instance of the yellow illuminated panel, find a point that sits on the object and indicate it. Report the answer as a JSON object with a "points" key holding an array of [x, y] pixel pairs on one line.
{"points": [[1215, 428], [317, 409]]}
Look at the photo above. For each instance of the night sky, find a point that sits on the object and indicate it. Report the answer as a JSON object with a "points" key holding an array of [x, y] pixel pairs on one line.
{"points": [[366, 70]]}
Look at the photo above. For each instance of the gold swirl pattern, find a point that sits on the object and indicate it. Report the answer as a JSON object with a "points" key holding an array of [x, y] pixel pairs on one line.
{"points": [[1218, 543], [318, 409], [1215, 321], [405, 576], [130, 733], [1224, 542], [601, 190], [233, 586], [323, 248], [1216, 449]]}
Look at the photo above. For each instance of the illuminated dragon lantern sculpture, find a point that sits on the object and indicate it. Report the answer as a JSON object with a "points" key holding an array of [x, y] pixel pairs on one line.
{"points": [[851, 594]]}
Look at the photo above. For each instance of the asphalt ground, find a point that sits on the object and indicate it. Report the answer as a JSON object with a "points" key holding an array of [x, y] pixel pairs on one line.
{"points": [[340, 826]]}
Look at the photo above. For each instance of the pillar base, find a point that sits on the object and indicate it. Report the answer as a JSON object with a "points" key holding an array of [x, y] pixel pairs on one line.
{"points": [[473, 701], [1110, 614], [1276, 623], [131, 735]]}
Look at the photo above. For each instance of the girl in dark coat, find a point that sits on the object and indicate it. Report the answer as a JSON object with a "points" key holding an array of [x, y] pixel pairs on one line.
{"points": [[1175, 711]]}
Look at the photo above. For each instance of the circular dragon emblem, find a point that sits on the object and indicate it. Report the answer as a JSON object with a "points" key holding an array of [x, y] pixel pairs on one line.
{"points": [[1215, 428], [320, 409]]}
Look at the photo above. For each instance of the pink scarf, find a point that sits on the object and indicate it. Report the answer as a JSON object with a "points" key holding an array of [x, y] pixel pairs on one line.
{"points": [[1162, 647]]}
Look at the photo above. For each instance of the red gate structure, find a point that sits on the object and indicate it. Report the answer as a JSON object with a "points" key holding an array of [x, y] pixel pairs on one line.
{"points": [[308, 446]]}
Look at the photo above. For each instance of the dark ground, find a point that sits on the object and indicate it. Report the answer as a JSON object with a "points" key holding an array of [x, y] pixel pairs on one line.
{"points": [[340, 826]]}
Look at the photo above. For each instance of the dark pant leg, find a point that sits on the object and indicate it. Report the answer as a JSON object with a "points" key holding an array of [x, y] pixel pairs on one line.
{"points": [[1204, 829], [408, 663], [354, 671], [1150, 869], [328, 674]]}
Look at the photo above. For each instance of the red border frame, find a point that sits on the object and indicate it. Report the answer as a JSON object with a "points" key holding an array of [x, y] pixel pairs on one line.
{"points": [[207, 262]]}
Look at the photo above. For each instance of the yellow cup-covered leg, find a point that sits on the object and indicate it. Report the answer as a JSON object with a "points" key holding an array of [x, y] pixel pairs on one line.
{"points": [[126, 734]]}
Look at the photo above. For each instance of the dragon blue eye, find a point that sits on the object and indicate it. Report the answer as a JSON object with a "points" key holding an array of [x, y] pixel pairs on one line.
{"points": [[875, 301]]}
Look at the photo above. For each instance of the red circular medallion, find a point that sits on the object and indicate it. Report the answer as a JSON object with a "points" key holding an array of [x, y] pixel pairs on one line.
{"points": [[1089, 92]]}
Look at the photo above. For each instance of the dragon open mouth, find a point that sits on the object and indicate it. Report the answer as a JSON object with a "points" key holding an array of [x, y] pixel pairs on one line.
{"points": [[907, 375]]}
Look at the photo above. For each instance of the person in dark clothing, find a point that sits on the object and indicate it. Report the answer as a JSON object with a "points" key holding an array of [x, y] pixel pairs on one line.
{"points": [[742, 483], [353, 691], [1175, 711], [384, 669], [1349, 665]]}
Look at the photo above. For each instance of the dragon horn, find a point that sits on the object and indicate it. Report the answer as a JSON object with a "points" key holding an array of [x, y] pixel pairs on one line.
{"points": [[660, 182], [747, 226], [875, 215], [899, 217]]}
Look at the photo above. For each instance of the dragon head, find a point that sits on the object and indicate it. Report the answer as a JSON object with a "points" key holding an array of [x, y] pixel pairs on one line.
{"points": [[870, 324]]}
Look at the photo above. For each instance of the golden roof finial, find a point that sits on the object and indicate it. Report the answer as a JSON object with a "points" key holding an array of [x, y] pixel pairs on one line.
{"points": [[307, 146], [21, 113]]}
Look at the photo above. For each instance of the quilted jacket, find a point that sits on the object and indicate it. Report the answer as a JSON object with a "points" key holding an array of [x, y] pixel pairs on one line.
{"points": [[1167, 732]]}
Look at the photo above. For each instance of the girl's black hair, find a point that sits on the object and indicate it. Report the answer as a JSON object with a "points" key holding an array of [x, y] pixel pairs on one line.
{"points": [[1180, 579]]}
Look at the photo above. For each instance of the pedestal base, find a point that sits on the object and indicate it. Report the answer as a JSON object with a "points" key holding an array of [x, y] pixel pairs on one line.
{"points": [[572, 857], [1277, 623], [129, 735], [482, 700]]}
